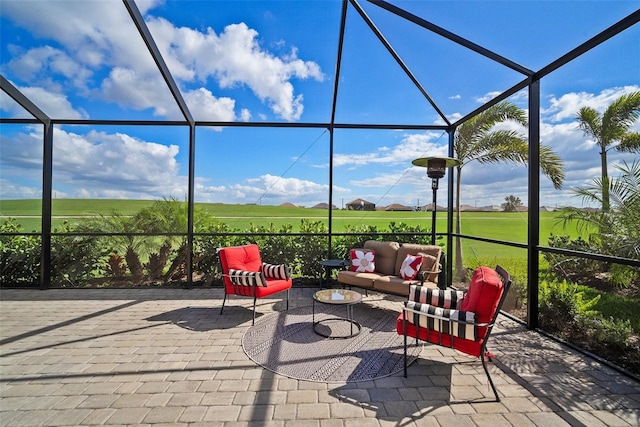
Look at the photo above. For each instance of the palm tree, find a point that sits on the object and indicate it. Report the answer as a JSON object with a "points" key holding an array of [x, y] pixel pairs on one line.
{"points": [[125, 238], [610, 127], [615, 230], [477, 139]]}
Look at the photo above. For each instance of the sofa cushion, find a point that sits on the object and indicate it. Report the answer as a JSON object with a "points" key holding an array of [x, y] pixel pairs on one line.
{"points": [[386, 253], [410, 267], [363, 260], [415, 249], [396, 285], [360, 280]]}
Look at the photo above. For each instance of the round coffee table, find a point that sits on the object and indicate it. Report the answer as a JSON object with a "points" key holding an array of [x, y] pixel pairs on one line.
{"points": [[345, 297]]}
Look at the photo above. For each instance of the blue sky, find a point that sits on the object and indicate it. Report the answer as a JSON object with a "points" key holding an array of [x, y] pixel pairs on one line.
{"points": [[274, 61]]}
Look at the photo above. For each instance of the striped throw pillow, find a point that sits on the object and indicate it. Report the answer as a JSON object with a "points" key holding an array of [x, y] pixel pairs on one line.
{"points": [[276, 271], [445, 298], [246, 278]]}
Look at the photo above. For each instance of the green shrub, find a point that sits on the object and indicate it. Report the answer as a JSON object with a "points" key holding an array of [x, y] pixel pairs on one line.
{"points": [[311, 249], [358, 235], [205, 255], [280, 248], [562, 306], [19, 256], [76, 258], [572, 267], [622, 276], [404, 233], [609, 331]]}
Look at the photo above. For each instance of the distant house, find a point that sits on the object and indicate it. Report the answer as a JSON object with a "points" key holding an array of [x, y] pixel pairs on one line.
{"points": [[490, 208], [429, 208], [324, 206], [398, 207], [360, 205]]}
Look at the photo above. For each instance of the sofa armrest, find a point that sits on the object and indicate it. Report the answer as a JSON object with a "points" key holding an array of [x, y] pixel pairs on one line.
{"points": [[423, 274]]}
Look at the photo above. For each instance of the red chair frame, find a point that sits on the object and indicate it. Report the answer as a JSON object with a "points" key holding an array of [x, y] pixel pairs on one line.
{"points": [[245, 274], [476, 347]]}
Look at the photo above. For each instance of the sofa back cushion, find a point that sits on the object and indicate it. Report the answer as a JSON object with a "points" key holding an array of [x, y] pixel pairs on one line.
{"points": [[415, 249], [386, 253]]}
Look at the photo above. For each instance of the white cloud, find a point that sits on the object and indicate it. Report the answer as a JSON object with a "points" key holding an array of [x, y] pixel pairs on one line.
{"points": [[205, 106], [99, 164], [235, 58], [52, 104], [275, 186], [245, 115], [568, 105], [487, 97], [43, 63], [410, 147], [125, 87], [266, 189], [12, 190], [100, 38]]}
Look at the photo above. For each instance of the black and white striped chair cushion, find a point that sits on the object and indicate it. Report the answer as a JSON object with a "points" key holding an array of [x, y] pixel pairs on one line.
{"points": [[461, 324], [276, 271], [246, 278], [445, 298]]}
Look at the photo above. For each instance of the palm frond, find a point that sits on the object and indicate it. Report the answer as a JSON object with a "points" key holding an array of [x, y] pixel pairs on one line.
{"points": [[630, 142], [620, 115], [590, 122], [552, 166]]}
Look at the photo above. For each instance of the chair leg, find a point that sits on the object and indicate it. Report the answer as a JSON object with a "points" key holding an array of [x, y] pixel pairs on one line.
{"points": [[253, 322], [404, 332], [287, 299], [486, 371], [223, 301]]}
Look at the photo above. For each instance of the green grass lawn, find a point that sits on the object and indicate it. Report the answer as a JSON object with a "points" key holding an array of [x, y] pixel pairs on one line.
{"points": [[507, 226]]}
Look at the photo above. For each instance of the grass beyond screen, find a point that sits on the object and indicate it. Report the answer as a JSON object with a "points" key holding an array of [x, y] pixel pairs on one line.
{"points": [[508, 226]]}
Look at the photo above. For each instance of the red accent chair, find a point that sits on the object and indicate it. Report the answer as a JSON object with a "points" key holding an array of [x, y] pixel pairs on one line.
{"points": [[462, 321], [245, 274]]}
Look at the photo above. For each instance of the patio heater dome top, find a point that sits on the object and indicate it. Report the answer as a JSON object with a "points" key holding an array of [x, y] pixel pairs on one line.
{"points": [[436, 166]]}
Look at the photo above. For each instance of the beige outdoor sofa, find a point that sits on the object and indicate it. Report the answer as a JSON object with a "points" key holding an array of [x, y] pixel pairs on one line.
{"points": [[389, 257]]}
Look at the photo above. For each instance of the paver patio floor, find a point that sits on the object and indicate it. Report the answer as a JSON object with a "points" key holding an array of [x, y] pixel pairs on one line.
{"points": [[168, 357]]}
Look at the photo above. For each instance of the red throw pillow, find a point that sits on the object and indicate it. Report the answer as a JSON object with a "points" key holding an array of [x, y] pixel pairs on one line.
{"points": [[410, 267], [363, 260]]}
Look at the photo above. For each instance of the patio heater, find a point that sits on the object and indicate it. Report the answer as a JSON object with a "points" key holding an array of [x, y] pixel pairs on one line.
{"points": [[436, 168]]}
